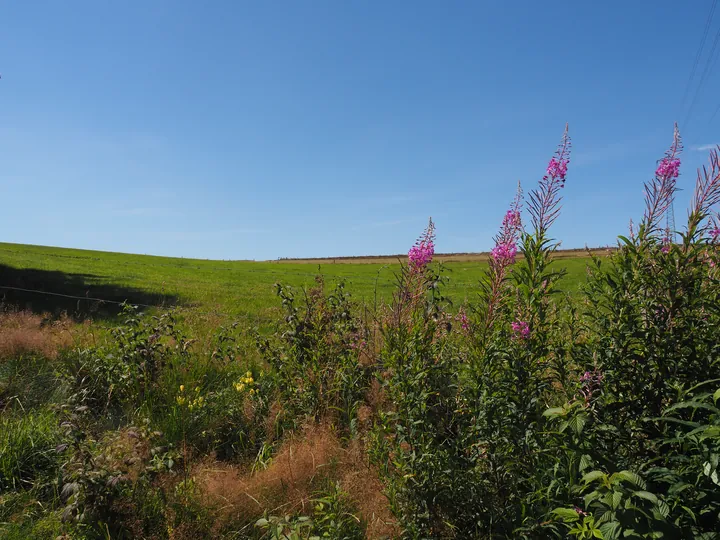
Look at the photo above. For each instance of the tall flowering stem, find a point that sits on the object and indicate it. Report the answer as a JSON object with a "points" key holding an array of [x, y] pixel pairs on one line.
{"points": [[421, 254], [415, 277], [706, 196], [660, 191], [544, 204], [502, 257], [535, 279]]}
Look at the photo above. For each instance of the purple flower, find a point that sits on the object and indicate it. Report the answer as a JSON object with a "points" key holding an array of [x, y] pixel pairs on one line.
{"points": [[462, 318], [668, 168], [505, 248], [665, 244], [590, 383], [544, 204], [557, 168], [660, 191], [715, 233], [505, 252], [521, 329], [421, 254]]}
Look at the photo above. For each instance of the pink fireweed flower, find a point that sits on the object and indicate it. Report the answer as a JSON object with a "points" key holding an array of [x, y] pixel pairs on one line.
{"points": [[590, 383], [462, 318], [665, 244], [715, 234], [421, 254], [660, 191], [557, 168], [503, 254], [668, 168], [521, 329], [544, 203]]}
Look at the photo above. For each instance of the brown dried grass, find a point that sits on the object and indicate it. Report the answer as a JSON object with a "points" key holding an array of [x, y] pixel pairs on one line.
{"points": [[22, 332], [297, 471]]}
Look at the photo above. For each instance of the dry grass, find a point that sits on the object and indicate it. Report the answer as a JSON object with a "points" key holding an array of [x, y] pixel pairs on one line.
{"points": [[299, 468], [22, 332]]}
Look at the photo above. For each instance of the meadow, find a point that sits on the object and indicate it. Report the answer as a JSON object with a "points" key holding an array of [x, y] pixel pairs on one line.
{"points": [[208, 292], [526, 393]]}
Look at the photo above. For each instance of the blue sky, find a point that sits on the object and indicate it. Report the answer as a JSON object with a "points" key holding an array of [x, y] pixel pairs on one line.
{"points": [[259, 130]]}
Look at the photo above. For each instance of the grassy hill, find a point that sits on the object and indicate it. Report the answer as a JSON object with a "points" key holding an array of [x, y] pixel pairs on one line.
{"points": [[212, 291]]}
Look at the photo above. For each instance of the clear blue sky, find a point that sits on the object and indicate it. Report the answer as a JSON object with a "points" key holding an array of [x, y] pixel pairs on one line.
{"points": [[318, 128]]}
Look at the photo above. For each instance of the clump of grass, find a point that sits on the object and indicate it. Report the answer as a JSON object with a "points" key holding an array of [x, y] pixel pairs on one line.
{"points": [[28, 448]]}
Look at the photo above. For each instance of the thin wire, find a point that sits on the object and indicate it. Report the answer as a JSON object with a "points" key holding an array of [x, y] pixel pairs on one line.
{"points": [[104, 300], [700, 51], [715, 113], [710, 63]]}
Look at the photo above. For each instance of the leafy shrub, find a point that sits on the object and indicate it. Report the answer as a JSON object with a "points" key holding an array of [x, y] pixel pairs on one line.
{"points": [[315, 360]]}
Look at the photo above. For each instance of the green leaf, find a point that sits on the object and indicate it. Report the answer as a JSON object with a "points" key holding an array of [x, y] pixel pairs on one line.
{"points": [[558, 411], [578, 422], [629, 476], [716, 395], [647, 496], [568, 515], [592, 476], [610, 530], [692, 405]]}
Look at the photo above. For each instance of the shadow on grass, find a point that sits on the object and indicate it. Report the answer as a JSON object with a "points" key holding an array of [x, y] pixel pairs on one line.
{"points": [[86, 286]]}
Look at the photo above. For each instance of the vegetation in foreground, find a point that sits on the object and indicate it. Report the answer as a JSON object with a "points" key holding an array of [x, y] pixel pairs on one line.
{"points": [[518, 414]]}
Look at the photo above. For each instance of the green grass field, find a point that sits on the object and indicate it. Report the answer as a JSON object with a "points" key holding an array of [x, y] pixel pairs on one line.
{"points": [[225, 290]]}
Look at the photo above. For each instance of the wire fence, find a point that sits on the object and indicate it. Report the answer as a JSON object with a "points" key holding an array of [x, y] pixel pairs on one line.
{"points": [[130, 303]]}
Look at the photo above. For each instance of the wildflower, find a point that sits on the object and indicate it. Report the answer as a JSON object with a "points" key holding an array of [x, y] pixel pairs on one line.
{"points": [[544, 204], [180, 400], [182, 387], [557, 168], [521, 329], [462, 318], [421, 254], [715, 233], [668, 168], [590, 383], [505, 252], [665, 244], [660, 191], [580, 511]]}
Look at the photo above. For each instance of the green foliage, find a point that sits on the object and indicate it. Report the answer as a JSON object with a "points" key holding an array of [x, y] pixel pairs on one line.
{"points": [[315, 359], [539, 414], [27, 448], [332, 518]]}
